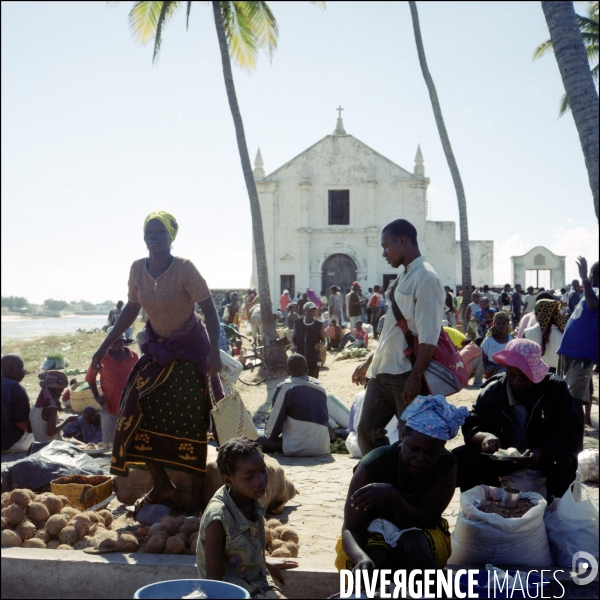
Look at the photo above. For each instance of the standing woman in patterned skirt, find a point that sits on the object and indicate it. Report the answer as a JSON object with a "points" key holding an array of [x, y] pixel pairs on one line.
{"points": [[164, 412]]}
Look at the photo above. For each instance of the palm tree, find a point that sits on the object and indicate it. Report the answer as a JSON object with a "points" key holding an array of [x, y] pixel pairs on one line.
{"points": [[572, 59], [465, 252], [243, 28], [588, 26]]}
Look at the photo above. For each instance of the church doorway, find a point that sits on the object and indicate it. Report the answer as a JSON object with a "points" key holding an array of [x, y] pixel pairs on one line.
{"points": [[340, 270]]}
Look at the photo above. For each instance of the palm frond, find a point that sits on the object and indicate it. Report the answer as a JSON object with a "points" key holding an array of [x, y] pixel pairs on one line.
{"points": [[143, 19], [563, 106], [263, 24], [588, 25], [187, 14], [542, 49], [241, 39], [318, 3], [162, 18]]}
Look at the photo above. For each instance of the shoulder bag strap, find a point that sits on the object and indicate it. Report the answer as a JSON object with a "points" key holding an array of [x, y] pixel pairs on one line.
{"points": [[401, 322]]}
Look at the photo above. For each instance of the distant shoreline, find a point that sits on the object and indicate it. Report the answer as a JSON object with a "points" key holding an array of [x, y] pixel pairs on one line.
{"points": [[9, 318]]}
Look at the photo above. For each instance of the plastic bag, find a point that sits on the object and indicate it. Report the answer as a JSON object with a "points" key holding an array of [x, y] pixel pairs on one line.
{"points": [[338, 411], [480, 538], [572, 525], [152, 513], [525, 480], [231, 367], [588, 465], [56, 459]]}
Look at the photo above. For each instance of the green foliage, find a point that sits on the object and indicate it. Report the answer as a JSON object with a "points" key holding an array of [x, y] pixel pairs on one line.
{"points": [[14, 302], [55, 304], [589, 32], [86, 305], [55, 355]]}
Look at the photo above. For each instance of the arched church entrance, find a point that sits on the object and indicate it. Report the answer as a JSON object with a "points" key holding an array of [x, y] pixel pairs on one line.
{"points": [[340, 270]]}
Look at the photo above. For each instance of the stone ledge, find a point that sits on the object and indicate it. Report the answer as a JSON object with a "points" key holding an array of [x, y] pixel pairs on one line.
{"points": [[31, 573]]}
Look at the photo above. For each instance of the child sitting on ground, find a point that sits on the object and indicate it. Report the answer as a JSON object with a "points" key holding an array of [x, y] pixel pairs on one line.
{"points": [[231, 542], [238, 352]]}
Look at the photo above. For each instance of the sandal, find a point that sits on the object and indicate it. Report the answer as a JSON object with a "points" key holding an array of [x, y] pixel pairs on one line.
{"points": [[146, 500]]}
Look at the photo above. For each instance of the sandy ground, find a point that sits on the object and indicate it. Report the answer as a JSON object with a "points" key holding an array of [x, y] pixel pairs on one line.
{"points": [[317, 511]]}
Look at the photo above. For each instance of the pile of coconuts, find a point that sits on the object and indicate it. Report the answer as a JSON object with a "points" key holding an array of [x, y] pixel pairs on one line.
{"points": [[172, 535], [282, 541], [31, 520]]}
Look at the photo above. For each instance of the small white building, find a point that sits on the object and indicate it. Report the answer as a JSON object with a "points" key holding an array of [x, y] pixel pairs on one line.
{"points": [[323, 212], [539, 268]]}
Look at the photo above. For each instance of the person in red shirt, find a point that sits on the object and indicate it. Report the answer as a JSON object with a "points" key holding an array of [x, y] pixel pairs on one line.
{"points": [[358, 337], [334, 334], [117, 363]]}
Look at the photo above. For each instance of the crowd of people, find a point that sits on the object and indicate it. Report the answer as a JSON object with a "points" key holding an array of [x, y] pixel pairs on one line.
{"points": [[532, 354]]}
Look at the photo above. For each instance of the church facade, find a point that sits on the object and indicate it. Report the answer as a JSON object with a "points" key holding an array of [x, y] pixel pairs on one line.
{"points": [[323, 212]]}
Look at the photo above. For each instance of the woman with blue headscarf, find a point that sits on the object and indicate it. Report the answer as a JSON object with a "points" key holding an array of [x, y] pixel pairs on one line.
{"points": [[163, 417], [393, 513]]}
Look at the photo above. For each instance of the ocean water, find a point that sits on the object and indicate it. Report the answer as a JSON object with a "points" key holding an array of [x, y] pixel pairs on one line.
{"points": [[34, 328]]}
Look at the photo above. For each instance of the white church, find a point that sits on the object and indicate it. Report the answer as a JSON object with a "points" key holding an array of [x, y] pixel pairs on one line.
{"points": [[323, 212]]}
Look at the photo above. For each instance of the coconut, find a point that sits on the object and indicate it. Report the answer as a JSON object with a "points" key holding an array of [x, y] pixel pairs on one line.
{"points": [[69, 512], [281, 553], [292, 548], [184, 537], [268, 535], [63, 499], [154, 528], [174, 545], [81, 527], [52, 503], [64, 547], [42, 534], [190, 525], [11, 539], [141, 549], [5, 499], [95, 528], [69, 535], [20, 497], [37, 512], [127, 542], [52, 544], [55, 523], [272, 523], [13, 514], [179, 520], [275, 544], [26, 530], [4, 524], [83, 543], [34, 543], [193, 542], [169, 525], [156, 544], [92, 516], [287, 534], [107, 516]]}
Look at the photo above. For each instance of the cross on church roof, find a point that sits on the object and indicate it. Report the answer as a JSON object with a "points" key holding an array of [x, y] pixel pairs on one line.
{"points": [[339, 128]]}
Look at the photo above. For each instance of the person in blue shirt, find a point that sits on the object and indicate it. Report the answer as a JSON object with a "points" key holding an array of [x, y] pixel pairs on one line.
{"points": [[579, 347], [87, 428]]}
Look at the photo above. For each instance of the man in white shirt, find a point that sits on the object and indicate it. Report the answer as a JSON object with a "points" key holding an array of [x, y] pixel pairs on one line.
{"points": [[393, 382]]}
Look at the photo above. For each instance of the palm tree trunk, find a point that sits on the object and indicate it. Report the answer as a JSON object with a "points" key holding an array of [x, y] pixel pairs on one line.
{"points": [[275, 353], [574, 67], [465, 252]]}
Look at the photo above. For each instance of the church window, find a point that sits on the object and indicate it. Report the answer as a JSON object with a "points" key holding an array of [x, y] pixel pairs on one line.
{"points": [[339, 207]]}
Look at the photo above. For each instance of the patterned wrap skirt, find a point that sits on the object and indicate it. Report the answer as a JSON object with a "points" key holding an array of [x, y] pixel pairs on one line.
{"points": [[164, 418]]}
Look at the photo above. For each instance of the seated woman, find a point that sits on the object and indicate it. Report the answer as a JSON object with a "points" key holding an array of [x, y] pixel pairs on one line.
{"points": [[548, 329], [495, 341], [334, 334], [393, 513]]}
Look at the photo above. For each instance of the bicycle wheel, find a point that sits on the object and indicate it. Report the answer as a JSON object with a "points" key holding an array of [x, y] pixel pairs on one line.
{"points": [[255, 370]]}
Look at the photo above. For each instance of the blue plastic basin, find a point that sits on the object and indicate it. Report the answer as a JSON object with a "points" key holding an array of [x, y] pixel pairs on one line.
{"points": [[181, 587]]}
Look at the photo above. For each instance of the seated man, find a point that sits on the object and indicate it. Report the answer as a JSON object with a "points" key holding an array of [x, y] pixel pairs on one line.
{"points": [[525, 408], [298, 423], [393, 513], [87, 428], [358, 337], [16, 436]]}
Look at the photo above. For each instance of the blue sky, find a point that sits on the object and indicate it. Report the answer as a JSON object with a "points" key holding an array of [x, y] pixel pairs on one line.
{"points": [[94, 136]]}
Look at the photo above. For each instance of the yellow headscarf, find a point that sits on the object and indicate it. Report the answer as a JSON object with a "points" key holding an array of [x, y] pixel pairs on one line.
{"points": [[167, 219]]}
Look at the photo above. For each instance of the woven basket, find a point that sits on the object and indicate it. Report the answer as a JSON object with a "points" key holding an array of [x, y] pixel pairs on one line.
{"points": [[83, 491], [79, 400]]}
